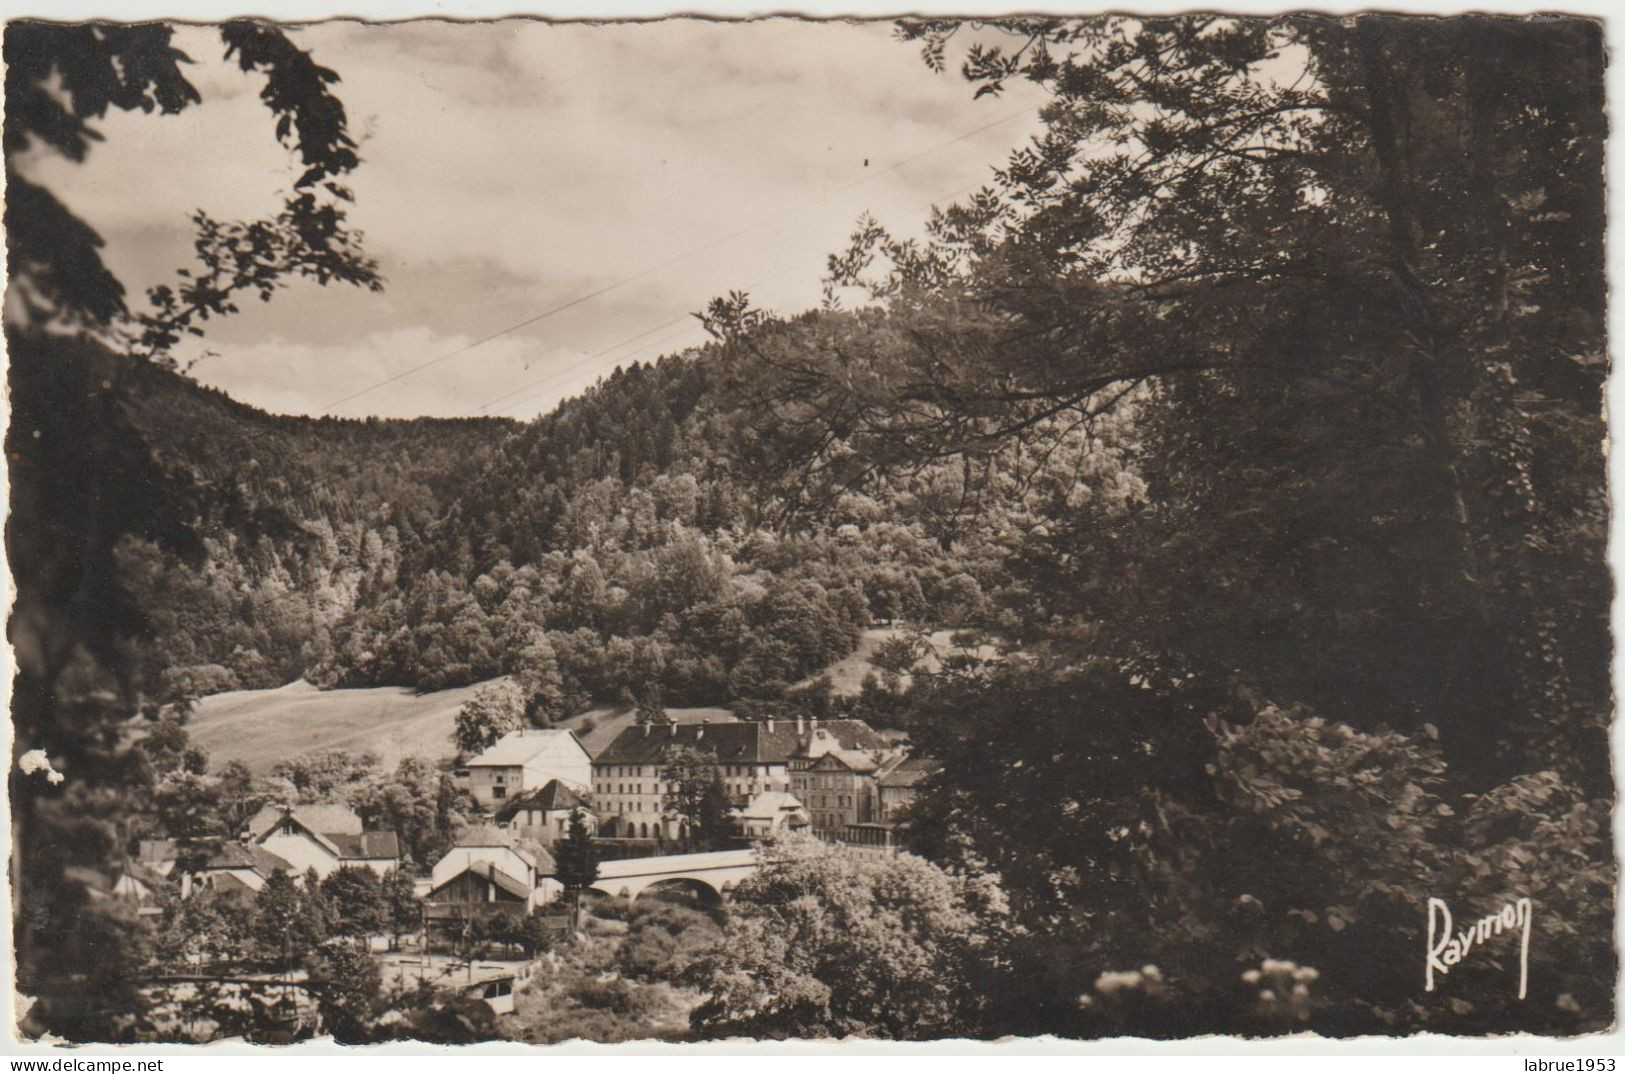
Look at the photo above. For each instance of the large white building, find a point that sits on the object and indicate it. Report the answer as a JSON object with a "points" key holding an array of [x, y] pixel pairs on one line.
{"points": [[526, 760]]}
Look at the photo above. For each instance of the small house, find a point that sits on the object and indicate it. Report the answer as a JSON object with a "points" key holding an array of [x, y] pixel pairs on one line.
{"points": [[543, 815], [488, 871], [323, 838], [769, 813]]}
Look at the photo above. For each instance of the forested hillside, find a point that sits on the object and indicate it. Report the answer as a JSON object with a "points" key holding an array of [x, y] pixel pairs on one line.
{"points": [[293, 516], [616, 547]]}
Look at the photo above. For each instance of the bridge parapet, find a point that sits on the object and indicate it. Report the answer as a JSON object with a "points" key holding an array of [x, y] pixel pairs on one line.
{"points": [[717, 872]]}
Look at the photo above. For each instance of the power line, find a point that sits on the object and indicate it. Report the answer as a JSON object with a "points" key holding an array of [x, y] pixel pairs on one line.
{"points": [[560, 308], [328, 485], [552, 377], [554, 374]]}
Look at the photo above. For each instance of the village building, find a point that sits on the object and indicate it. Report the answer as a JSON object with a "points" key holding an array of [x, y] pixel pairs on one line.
{"points": [[543, 815], [769, 813], [527, 760], [488, 871], [237, 868], [898, 784], [837, 787], [132, 882], [753, 757], [323, 838]]}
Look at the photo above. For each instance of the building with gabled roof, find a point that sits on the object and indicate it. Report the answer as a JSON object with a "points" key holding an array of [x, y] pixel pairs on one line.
{"points": [[543, 814], [898, 784], [837, 787], [487, 870], [322, 837], [237, 867], [769, 813], [526, 760], [330, 817], [131, 882]]}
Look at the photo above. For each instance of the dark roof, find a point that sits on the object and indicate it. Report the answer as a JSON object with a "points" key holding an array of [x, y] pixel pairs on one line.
{"points": [[748, 742], [367, 845], [551, 796], [486, 871], [248, 856], [231, 884], [910, 772], [483, 836]]}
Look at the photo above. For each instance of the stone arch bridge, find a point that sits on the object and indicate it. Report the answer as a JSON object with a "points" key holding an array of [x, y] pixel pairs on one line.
{"points": [[711, 875]]}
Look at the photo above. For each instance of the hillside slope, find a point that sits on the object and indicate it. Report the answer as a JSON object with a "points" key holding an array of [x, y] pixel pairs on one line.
{"points": [[261, 727]]}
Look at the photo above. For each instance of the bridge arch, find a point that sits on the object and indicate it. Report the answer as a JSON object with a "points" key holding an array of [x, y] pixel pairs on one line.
{"points": [[709, 875], [700, 890]]}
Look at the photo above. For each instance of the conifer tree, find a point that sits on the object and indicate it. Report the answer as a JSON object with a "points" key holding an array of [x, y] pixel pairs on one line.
{"points": [[577, 862]]}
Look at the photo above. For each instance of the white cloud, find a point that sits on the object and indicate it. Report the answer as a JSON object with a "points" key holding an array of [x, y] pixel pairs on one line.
{"points": [[513, 166]]}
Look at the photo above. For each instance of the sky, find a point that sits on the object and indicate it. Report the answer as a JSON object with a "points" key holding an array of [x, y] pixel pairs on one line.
{"points": [[513, 167]]}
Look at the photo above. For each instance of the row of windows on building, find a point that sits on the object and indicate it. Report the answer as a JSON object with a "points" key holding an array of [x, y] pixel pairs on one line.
{"points": [[827, 783], [623, 770], [736, 788]]}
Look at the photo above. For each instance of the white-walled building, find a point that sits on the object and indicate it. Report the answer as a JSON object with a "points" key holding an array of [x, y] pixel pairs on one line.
{"points": [[769, 813], [322, 837], [543, 815], [527, 760], [492, 869]]}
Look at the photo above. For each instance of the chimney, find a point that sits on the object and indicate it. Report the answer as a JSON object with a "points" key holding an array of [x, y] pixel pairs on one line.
{"points": [[645, 730], [800, 724], [699, 732], [673, 726], [770, 725]]}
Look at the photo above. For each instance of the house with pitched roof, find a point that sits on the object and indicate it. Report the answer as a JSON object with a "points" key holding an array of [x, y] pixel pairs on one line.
{"points": [[543, 815], [322, 837], [132, 882], [895, 786], [487, 871], [237, 868], [837, 788], [526, 760], [898, 784], [752, 758], [769, 813]]}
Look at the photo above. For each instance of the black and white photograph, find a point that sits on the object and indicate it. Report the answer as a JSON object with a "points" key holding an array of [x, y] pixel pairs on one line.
{"points": [[1077, 526]]}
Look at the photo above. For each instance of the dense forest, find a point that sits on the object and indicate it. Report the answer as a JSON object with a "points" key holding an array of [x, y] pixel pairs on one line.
{"points": [[608, 547], [1246, 430]]}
